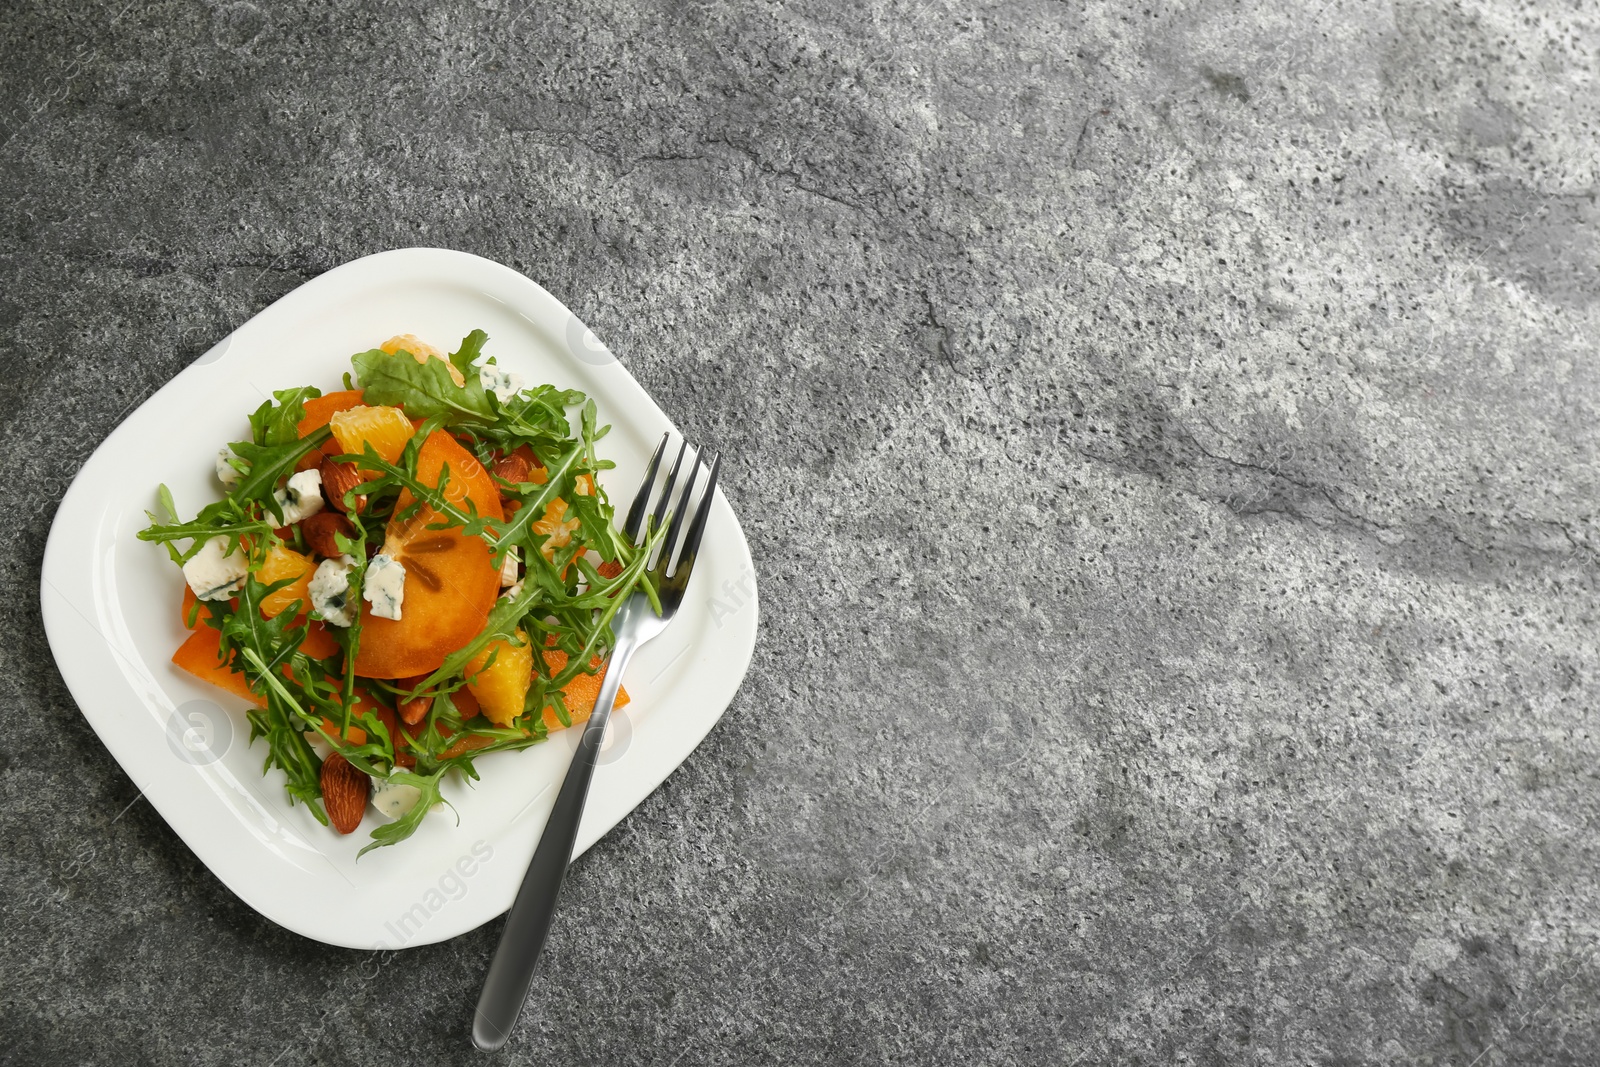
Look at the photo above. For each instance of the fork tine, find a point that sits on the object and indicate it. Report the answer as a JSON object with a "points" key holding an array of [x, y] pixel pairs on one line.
{"points": [[641, 499], [678, 513], [698, 526], [666, 494]]}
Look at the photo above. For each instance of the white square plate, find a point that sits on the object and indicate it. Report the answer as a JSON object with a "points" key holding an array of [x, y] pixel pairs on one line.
{"points": [[110, 605]]}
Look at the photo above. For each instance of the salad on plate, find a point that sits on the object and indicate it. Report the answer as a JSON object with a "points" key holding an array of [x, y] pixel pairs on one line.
{"points": [[403, 575]]}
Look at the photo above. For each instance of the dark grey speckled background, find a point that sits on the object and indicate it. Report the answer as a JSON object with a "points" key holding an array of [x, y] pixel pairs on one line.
{"points": [[1166, 433]]}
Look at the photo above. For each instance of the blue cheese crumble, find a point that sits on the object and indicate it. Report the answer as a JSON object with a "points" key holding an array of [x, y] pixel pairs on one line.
{"points": [[301, 498], [214, 573], [503, 384], [330, 591], [227, 473], [385, 586], [391, 799]]}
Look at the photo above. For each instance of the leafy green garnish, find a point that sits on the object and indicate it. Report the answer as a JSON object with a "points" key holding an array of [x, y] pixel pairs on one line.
{"points": [[425, 389], [279, 423], [471, 348]]}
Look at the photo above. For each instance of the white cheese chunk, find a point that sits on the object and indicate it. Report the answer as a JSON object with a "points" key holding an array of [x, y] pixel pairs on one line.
{"points": [[508, 570], [330, 591], [227, 473], [512, 593], [503, 384], [391, 799], [385, 586], [214, 573], [301, 498]]}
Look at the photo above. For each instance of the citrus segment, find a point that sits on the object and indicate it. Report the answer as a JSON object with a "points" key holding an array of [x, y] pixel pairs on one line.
{"points": [[501, 686], [386, 429], [581, 692], [282, 563]]}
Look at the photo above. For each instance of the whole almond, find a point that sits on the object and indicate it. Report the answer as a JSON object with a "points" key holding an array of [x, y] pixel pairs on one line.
{"points": [[344, 793], [319, 529], [338, 479], [514, 468]]}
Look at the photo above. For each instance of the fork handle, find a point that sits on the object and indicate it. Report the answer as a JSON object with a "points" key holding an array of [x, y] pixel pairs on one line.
{"points": [[528, 921]]}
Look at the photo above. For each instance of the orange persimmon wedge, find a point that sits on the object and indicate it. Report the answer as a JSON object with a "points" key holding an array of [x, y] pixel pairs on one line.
{"points": [[355, 735], [192, 618], [318, 412], [580, 693], [364, 702], [201, 652], [451, 582], [319, 643], [200, 655]]}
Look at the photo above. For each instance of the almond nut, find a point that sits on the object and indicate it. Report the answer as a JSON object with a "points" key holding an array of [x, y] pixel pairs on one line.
{"points": [[344, 793]]}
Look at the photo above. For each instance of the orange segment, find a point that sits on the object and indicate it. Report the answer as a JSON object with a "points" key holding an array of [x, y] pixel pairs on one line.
{"points": [[420, 351], [451, 582], [282, 563], [502, 686], [559, 532], [386, 429]]}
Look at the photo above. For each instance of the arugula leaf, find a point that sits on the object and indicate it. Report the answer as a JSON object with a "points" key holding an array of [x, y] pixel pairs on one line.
{"points": [[471, 348], [280, 424], [201, 530], [540, 413], [260, 647], [534, 504], [170, 507], [424, 389]]}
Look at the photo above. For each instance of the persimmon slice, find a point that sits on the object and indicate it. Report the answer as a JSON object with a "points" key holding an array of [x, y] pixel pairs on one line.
{"points": [[201, 655], [318, 411], [451, 581]]}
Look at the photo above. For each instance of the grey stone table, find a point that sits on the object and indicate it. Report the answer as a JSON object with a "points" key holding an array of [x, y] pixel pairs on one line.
{"points": [[1166, 434]]}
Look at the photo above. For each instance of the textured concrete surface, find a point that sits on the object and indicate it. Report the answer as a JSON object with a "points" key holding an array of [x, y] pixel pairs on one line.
{"points": [[1166, 433]]}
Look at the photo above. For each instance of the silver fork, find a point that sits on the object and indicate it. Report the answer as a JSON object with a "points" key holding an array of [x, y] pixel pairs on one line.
{"points": [[528, 921]]}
